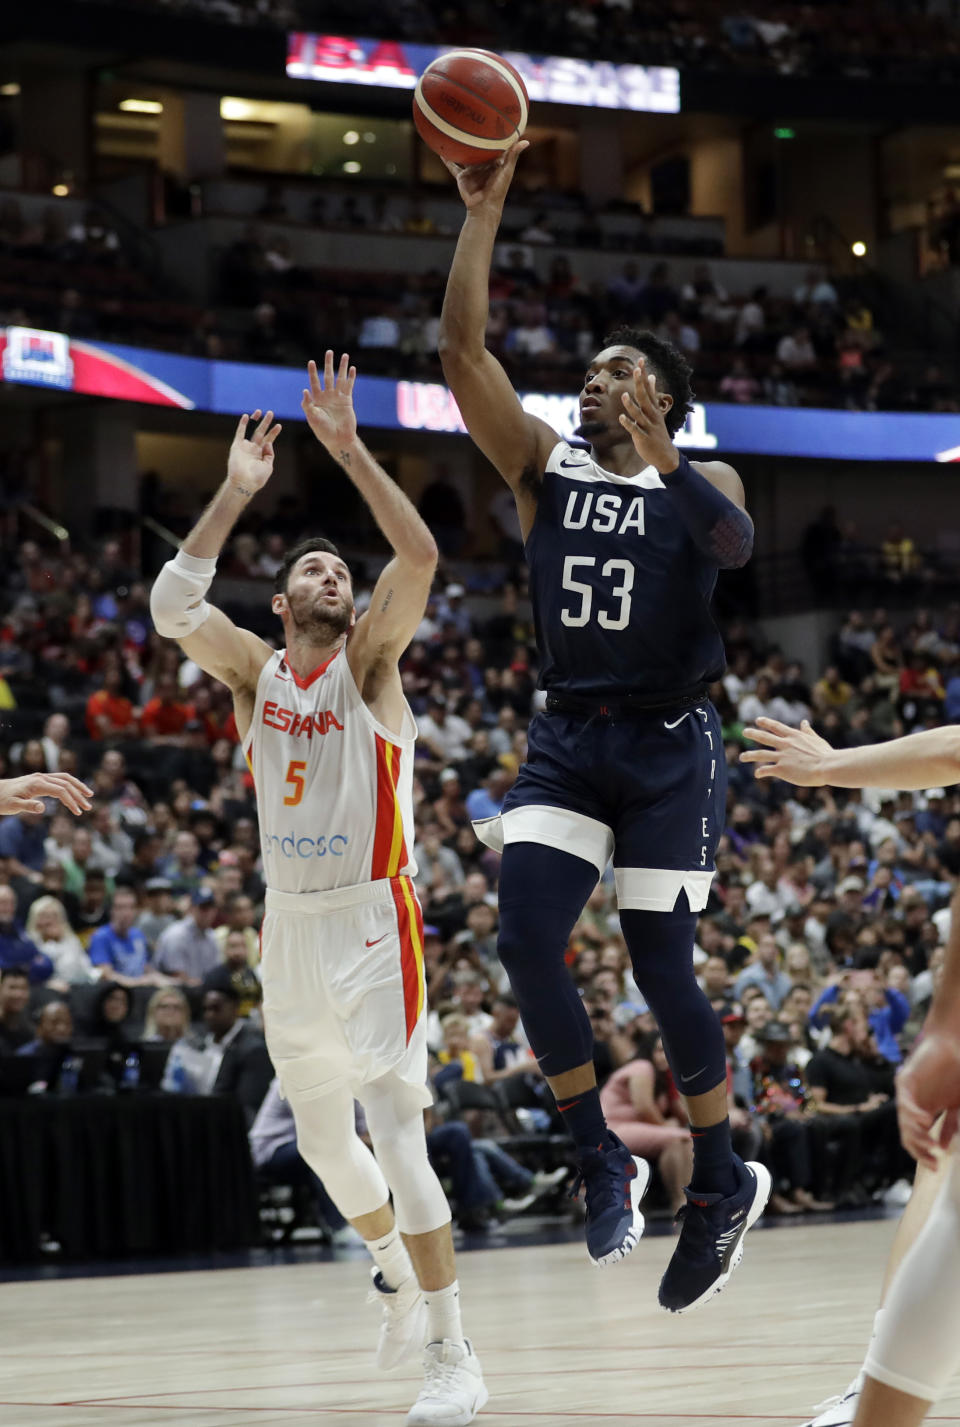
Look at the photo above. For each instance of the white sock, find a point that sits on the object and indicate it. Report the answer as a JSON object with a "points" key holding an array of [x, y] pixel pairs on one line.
{"points": [[391, 1258], [443, 1314]]}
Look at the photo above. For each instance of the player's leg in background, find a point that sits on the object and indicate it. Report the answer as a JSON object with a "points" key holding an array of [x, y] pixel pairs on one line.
{"points": [[916, 1348], [840, 1411], [327, 1139], [661, 950], [725, 1197], [453, 1389], [542, 893]]}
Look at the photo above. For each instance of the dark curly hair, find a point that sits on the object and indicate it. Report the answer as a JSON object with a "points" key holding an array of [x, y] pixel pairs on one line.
{"points": [[315, 542], [670, 367]]}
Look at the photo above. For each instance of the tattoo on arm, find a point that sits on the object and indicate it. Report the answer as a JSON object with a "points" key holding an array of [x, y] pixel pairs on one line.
{"points": [[345, 458], [383, 607]]}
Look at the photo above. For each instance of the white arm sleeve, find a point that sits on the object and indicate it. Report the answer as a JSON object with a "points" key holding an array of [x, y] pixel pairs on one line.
{"points": [[917, 1348], [177, 599]]}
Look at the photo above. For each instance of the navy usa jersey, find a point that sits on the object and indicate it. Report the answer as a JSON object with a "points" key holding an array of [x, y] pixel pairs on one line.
{"points": [[621, 595]]}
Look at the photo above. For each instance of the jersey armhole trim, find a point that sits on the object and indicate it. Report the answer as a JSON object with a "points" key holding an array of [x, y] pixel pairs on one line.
{"points": [[401, 740]]}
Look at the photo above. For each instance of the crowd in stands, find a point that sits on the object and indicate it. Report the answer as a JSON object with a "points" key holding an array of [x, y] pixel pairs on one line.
{"points": [[131, 932], [818, 347], [904, 40]]}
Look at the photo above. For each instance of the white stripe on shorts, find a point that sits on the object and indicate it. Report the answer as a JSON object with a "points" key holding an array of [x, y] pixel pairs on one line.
{"points": [[656, 889], [561, 828]]}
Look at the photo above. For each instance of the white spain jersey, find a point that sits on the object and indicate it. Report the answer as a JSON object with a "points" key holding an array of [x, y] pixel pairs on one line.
{"points": [[334, 787]]}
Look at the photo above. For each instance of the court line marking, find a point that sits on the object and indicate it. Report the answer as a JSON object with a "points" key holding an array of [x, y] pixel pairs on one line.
{"points": [[488, 1416], [146, 1398]]}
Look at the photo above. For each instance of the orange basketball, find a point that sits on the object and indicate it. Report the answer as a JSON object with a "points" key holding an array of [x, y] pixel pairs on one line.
{"points": [[470, 105]]}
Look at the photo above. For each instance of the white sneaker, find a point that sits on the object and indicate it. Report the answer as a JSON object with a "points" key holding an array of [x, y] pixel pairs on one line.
{"points": [[839, 1411], [403, 1326], [517, 1206], [453, 1390], [543, 1181]]}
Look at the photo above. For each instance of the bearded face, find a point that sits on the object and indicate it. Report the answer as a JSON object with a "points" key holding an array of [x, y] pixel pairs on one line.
{"points": [[322, 615], [320, 598]]}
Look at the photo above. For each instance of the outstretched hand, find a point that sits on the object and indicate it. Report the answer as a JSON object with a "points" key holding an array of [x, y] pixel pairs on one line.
{"points": [[23, 795], [250, 463], [328, 404], [643, 420], [486, 185], [798, 755]]}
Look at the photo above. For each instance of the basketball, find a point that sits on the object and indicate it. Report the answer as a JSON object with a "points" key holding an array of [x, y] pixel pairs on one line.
{"points": [[470, 106]]}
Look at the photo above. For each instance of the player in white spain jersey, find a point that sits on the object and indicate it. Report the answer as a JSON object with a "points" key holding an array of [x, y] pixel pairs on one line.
{"points": [[915, 1348], [329, 737]]}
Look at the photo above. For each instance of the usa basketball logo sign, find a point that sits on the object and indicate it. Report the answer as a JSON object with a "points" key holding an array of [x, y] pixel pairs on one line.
{"points": [[41, 358]]}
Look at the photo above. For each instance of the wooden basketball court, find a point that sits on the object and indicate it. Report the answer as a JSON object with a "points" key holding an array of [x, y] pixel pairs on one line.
{"points": [[561, 1341]]}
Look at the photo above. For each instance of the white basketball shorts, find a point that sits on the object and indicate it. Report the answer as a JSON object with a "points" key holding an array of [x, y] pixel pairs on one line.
{"points": [[343, 988]]}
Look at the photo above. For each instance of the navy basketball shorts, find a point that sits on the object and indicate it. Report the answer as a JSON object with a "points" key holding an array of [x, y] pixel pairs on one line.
{"points": [[648, 791]]}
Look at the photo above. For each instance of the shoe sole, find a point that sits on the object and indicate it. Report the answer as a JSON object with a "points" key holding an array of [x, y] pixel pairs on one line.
{"points": [[638, 1188], [479, 1402], [849, 1407], [413, 1347], [761, 1195]]}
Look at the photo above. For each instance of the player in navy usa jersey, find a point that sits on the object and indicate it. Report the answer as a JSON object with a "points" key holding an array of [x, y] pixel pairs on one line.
{"points": [[623, 541]]}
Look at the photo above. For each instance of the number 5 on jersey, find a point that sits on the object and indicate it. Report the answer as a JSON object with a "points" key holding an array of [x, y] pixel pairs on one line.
{"points": [[575, 619], [294, 780]]}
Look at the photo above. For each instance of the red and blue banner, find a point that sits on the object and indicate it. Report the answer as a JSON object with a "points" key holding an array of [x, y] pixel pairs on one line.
{"points": [[33, 357]]}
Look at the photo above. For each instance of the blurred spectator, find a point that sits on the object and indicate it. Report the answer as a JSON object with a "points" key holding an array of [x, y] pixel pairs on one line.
{"points": [[187, 951], [796, 352], [228, 1058], [119, 950], [48, 927], [168, 1015], [739, 385], [14, 998], [51, 1044], [236, 973], [17, 950], [642, 1106]]}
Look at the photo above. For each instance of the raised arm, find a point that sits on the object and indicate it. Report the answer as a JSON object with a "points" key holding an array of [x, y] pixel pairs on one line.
{"points": [[400, 596], [177, 603], [516, 443], [930, 759]]}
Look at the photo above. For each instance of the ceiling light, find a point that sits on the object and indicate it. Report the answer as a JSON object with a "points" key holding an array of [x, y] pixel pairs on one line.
{"points": [[9, 91], [60, 190], [236, 109], [369, 137], [351, 166], [858, 249], [351, 137], [141, 106]]}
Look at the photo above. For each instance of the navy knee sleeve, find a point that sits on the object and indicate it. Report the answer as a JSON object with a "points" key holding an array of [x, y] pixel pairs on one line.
{"points": [[542, 893], [661, 949]]}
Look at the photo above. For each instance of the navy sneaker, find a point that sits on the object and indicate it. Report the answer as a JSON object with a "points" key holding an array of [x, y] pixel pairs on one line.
{"points": [[615, 1183], [712, 1230]]}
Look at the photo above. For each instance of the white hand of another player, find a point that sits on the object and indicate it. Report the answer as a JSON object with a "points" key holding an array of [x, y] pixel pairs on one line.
{"points": [[798, 755], [22, 795], [328, 404], [250, 462]]}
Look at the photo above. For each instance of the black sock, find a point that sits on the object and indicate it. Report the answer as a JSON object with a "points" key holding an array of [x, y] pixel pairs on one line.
{"points": [[713, 1171], [584, 1119]]}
